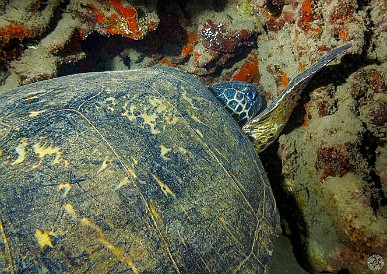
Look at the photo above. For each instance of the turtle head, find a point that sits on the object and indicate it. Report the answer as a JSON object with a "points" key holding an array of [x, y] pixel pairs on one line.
{"points": [[241, 99]]}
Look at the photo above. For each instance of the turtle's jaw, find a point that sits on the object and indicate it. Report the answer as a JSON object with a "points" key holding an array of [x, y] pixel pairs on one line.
{"points": [[265, 128]]}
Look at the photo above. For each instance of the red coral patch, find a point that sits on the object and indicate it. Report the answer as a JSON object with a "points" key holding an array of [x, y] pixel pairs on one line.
{"points": [[334, 161]]}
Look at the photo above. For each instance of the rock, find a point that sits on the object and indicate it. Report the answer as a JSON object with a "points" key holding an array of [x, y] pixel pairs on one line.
{"points": [[334, 167], [115, 17]]}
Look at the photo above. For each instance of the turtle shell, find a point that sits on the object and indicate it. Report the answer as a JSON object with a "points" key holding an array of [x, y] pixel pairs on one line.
{"points": [[140, 171]]}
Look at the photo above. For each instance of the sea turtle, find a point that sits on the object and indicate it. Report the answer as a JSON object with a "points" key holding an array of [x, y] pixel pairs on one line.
{"points": [[139, 171]]}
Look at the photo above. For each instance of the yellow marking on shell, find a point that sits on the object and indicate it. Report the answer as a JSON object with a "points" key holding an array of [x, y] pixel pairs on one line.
{"points": [[183, 241], [21, 151], [104, 164], [69, 208], [43, 238], [187, 98], [186, 246], [155, 215], [65, 187], [42, 151], [1, 153], [135, 160], [155, 113], [230, 232], [131, 170], [132, 173], [6, 249], [182, 150], [164, 151], [227, 228], [112, 101], [31, 98], [164, 187], [191, 108], [33, 114], [123, 182], [196, 119], [129, 113], [149, 120], [66, 163], [156, 102], [118, 252], [199, 132]]}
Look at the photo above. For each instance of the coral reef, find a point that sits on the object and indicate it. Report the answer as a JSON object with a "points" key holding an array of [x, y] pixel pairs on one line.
{"points": [[22, 20], [334, 160], [332, 187], [330, 170], [32, 19], [115, 17], [219, 44]]}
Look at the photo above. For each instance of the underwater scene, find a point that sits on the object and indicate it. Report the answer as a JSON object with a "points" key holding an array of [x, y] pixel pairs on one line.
{"points": [[120, 152]]}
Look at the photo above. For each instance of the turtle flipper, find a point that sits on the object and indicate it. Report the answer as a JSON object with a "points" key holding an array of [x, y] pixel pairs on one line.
{"points": [[266, 126]]}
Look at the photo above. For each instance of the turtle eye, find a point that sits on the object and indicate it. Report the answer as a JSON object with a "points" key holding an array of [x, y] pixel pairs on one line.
{"points": [[241, 99]]}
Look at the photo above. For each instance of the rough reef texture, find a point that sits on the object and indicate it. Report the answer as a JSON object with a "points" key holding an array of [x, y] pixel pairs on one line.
{"points": [[115, 17], [52, 32], [334, 167], [330, 175]]}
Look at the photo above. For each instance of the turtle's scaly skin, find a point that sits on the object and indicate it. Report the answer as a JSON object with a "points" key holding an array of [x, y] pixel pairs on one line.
{"points": [[265, 128], [138, 171], [241, 99]]}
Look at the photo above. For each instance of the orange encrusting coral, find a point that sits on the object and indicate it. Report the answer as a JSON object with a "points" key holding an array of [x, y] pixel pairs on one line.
{"points": [[99, 15], [306, 11], [284, 78], [343, 35], [125, 12], [197, 55], [249, 71], [280, 77], [190, 45], [306, 16], [9, 32], [120, 20]]}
